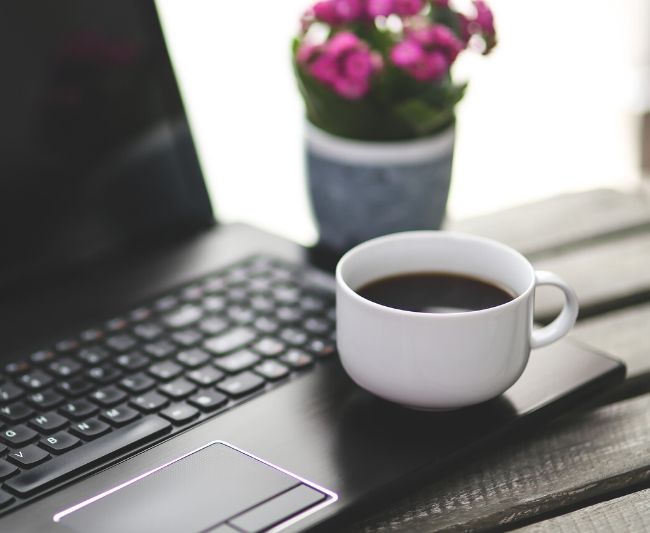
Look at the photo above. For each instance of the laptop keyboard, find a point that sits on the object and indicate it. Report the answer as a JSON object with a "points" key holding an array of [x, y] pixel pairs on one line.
{"points": [[159, 369]]}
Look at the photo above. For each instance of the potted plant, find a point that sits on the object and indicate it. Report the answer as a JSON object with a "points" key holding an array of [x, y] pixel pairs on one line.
{"points": [[380, 100]]}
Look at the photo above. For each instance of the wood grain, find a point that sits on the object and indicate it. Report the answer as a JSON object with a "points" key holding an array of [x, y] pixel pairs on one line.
{"points": [[561, 221], [629, 513], [606, 276], [569, 461]]}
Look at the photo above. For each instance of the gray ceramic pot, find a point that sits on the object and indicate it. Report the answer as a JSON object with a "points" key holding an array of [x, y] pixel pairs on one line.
{"points": [[360, 190]]}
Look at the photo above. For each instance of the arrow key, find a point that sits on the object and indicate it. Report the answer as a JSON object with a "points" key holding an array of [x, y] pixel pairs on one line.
{"points": [[28, 456]]}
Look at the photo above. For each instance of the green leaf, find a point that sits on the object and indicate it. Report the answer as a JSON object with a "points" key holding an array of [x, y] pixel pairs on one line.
{"points": [[423, 118]]}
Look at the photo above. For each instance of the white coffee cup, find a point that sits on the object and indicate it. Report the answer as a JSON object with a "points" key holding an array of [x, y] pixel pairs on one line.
{"points": [[441, 360]]}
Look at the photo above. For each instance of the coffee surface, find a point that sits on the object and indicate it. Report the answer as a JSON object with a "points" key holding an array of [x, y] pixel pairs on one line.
{"points": [[436, 292]]}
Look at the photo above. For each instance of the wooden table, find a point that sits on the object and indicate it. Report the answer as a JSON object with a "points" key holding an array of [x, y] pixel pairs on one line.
{"points": [[589, 470]]}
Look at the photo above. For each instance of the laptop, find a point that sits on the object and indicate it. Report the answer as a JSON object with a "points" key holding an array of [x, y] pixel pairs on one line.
{"points": [[160, 371]]}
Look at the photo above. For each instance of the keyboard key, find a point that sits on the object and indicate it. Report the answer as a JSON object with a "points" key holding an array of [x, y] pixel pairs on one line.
{"points": [[178, 389], [241, 385], [42, 356], [213, 303], [187, 337], [180, 413], [59, 442], [93, 355], [269, 347], [132, 362], [108, 396], [18, 435], [297, 359], [166, 303], [64, 367], [272, 370], [104, 374], [213, 325], [140, 314], [165, 371], [66, 345], [91, 335], [205, 376], [150, 402], [141, 431], [287, 294], [35, 380], [311, 303], [28, 457], [183, 317], [15, 413], [261, 303], [45, 400], [137, 383], [90, 429], [16, 368], [78, 409], [10, 392], [241, 315], [214, 284], [119, 416], [189, 294], [116, 324], [289, 314], [238, 361], [6, 469], [321, 348], [233, 339], [293, 336], [121, 343], [160, 349], [208, 400], [48, 422], [317, 325], [75, 387], [148, 332], [193, 358], [266, 325]]}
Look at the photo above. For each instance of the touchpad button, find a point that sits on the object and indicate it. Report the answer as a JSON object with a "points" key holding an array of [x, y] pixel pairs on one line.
{"points": [[193, 493]]}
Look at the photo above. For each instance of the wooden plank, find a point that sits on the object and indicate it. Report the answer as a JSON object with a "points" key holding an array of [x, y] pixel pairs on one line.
{"points": [[560, 221], [606, 276], [569, 461], [629, 513]]}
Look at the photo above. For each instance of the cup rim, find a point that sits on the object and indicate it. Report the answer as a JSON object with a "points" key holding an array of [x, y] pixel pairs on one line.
{"points": [[378, 241]]}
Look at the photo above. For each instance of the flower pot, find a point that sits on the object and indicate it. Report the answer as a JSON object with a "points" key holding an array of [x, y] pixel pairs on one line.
{"points": [[360, 190]]}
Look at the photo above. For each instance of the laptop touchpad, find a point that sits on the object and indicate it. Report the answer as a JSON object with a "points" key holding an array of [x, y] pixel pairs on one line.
{"points": [[216, 485]]}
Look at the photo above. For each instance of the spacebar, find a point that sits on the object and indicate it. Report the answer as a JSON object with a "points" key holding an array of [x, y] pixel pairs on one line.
{"points": [[52, 471]]}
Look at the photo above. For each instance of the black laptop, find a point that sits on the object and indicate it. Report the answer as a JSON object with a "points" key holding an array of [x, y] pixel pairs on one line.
{"points": [[159, 371]]}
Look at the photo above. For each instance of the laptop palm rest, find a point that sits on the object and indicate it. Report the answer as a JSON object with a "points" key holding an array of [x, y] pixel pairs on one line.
{"points": [[216, 486]]}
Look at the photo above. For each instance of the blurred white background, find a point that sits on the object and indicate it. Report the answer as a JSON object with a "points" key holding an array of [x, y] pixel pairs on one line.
{"points": [[555, 108]]}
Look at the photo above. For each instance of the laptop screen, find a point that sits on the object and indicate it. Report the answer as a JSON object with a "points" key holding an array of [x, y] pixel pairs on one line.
{"points": [[95, 149]]}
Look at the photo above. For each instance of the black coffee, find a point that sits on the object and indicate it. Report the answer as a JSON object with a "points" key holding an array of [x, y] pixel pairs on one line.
{"points": [[436, 292]]}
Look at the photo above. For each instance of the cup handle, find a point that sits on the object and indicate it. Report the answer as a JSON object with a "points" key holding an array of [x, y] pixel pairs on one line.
{"points": [[566, 319]]}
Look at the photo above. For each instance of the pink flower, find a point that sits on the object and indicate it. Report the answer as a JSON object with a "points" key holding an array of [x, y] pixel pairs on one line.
{"points": [[357, 66], [406, 54], [427, 51], [338, 12], [344, 63], [348, 10], [408, 7], [482, 25], [377, 8], [484, 17]]}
